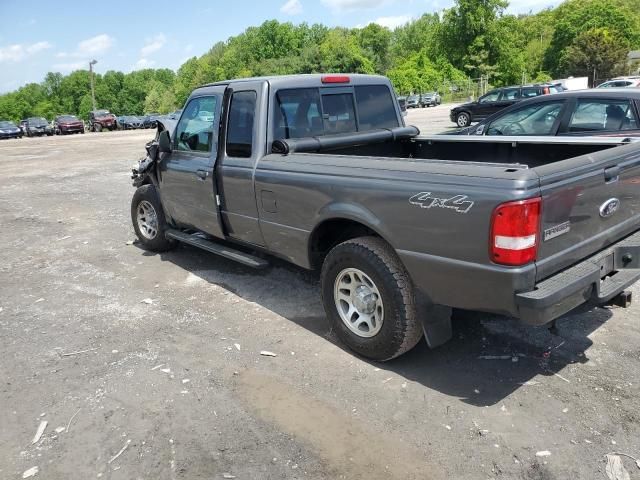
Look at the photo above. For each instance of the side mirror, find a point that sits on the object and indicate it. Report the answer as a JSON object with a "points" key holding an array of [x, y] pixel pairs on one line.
{"points": [[164, 142]]}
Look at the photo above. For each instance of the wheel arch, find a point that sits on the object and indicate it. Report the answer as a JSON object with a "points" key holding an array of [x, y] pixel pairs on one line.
{"points": [[336, 229]]}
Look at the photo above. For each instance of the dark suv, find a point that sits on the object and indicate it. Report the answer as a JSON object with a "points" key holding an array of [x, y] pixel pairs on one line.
{"points": [[494, 101], [101, 119]]}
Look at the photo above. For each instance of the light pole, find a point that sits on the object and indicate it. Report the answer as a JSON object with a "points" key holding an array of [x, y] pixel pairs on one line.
{"points": [[93, 94]]}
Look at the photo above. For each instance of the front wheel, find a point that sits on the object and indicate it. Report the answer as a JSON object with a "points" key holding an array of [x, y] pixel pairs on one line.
{"points": [[369, 299], [148, 219], [463, 119], [97, 127]]}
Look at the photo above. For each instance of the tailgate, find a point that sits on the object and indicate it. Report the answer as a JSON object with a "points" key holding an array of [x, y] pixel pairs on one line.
{"points": [[589, 202]]}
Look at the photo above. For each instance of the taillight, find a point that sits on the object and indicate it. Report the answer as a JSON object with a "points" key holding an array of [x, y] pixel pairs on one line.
{"points": [[335, 79], [545, 91], [515, 232]]}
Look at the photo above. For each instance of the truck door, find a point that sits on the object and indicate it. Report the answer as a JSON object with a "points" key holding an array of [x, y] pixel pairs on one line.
{"points": [[245, 104], [187, 183]]}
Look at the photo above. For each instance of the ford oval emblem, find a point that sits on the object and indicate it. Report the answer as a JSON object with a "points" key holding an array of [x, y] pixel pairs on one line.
{"points": [[609, 207]]}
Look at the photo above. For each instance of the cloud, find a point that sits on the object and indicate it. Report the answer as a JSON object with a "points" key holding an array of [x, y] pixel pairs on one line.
{"points": [[94, 45], [69, 67], [90, 47], [291, 7], [393, 22], [153, 44], [144, 63], [340, 6], [18, 52]]}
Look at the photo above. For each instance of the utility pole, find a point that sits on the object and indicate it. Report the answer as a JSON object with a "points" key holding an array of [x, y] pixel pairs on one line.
{"points": [[93, 93]]}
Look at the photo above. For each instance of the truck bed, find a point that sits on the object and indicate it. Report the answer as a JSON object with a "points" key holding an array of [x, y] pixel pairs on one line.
{"points": [[515, 151]]}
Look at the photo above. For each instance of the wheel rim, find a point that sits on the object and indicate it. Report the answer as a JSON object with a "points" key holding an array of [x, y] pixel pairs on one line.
{"points": [[358, 302], [147, 220], [462, 120]]}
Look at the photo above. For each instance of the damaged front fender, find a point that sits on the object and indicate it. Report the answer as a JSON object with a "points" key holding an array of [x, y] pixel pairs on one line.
{"points": [[144, 172]]}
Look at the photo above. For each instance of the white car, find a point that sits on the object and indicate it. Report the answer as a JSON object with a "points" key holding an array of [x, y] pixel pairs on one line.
{"points": [[621, 82]]}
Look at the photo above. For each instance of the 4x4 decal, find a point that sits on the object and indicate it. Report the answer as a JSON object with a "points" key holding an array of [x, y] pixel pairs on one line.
{"points": [[459, 203]]}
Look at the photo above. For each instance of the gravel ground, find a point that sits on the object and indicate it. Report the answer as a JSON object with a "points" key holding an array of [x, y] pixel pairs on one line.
{"points": [[148, 366]]}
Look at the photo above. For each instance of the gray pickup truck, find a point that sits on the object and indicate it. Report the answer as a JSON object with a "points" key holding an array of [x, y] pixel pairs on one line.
{"points": [[321, 171]]}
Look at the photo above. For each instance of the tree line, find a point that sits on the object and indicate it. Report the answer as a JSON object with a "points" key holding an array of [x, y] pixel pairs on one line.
{"points": [[449, 52]]}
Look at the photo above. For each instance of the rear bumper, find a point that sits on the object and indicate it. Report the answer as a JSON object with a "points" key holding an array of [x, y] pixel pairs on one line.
{"points": [[597, 280]]}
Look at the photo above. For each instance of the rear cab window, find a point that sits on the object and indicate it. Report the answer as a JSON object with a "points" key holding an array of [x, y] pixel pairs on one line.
{"points": [[308, 112]]}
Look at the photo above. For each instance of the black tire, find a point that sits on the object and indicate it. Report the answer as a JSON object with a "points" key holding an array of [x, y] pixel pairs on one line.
{"points": [[463, 119], [401, 329], [97, 127], [147, 195]]}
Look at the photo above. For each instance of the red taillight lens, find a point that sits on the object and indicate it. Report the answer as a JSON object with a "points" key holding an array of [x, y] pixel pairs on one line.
{"points": [[335, 79], [515, 232]]}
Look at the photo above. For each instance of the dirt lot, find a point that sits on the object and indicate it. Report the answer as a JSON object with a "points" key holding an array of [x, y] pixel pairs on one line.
{"points": [[118, 348]]}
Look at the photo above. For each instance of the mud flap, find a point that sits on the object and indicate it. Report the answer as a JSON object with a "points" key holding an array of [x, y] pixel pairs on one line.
{"points": [[436, 324]]}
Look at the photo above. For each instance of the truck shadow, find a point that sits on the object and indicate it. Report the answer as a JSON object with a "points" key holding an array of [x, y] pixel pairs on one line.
{"points": [[488, 358]]}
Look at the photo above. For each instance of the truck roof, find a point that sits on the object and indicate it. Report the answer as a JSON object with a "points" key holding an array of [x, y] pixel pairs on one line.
{"points": [[305, 80]]}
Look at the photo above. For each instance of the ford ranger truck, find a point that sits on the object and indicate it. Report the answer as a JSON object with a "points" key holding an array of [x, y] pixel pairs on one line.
{"points": [[320, 170]]}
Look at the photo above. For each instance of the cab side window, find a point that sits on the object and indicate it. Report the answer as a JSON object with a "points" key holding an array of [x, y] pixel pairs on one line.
{"points": [[490, 97], [510, 94], [195, 131], [603, 115], [240, 124]]}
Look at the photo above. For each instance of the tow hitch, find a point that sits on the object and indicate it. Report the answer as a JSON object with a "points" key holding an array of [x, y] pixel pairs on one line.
{"points": [[623, 299]]}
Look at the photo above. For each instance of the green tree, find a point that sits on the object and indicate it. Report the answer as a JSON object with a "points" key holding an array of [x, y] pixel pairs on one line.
{"points": [[340, 52], [597, 53], [575, 17]]}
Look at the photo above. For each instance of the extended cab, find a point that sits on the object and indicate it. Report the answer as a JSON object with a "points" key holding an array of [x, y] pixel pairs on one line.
{"points": [[321, 171]]}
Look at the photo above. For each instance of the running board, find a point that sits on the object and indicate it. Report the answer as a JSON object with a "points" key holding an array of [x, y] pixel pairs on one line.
{"points": [[218, 249]]}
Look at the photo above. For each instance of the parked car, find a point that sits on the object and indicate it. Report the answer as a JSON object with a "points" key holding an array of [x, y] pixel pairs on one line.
{"points": [[102, 119], [413, 101], [312, 169], [10, 130], [130, 122], [431, 99], [494, 101], [64, 124], [150, 120], [36, 127], [610, 112], [624, 82]]}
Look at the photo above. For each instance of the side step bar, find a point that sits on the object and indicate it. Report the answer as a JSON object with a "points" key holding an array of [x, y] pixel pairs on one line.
{"points": [[218, 249]]}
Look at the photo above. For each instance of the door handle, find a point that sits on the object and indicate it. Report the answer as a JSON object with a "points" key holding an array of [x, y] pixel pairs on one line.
{"points": [[611, 174], [203, 174]]}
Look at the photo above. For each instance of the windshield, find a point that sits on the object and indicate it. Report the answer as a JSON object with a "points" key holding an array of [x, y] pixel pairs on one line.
{"points": [[37, 121], [7, 124], [67, 118], [100, 113]]}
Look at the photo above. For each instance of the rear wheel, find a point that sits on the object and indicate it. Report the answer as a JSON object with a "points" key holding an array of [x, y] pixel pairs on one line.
{"points": [[463, 119], [148, 219], [369, 299]]}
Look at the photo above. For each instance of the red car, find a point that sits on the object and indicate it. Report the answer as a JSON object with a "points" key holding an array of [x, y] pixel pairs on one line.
{"points": [[102, 119], [64, 124]]}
